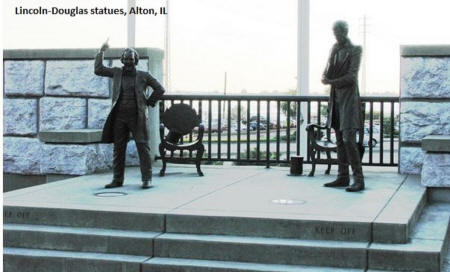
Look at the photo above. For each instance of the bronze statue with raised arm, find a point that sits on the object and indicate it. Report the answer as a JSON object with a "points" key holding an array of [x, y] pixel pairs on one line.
{"points": [[344, 108], [129, 112]]}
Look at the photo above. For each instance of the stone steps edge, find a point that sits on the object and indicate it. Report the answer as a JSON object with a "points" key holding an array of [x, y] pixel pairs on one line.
{"points": [[388, 227], [310, 229], [31, 260], [158, 264]]}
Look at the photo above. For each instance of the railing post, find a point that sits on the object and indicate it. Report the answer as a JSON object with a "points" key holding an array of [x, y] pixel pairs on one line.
{"points": [[282, 147]]}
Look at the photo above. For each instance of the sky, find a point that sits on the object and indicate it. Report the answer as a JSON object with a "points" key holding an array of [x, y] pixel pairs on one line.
{"points": [[253, 41]]}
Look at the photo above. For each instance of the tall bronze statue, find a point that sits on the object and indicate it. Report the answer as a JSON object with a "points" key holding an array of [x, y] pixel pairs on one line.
{"points": [[129, 112], [344, 110]]}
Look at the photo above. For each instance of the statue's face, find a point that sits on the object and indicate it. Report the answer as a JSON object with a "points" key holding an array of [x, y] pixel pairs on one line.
{"points": [[340, 34], [129, 60]]}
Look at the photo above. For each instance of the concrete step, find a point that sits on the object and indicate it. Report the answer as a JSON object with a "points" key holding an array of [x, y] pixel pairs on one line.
{"points": [[191, 265], [191, 252], [396, 221], [426, 249], [309, 228], [79, 239], [32, 260], [393, 224], [85, 218], [221, 207], [262, 250]]}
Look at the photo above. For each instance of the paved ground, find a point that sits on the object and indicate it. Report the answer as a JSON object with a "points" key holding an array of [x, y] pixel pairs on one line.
{"points": [[224, 190]]}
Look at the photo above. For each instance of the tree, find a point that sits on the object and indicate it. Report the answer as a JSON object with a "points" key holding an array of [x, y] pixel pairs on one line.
{"points": [[324, 110], [234, 112], [292, 108], [387, 126]]}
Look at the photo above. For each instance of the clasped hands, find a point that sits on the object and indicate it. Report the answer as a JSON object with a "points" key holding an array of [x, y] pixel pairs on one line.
{"points": [[325, 80]]}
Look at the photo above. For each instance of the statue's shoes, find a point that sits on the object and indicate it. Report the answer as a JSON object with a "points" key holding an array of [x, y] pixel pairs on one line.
{"points": [[113, 184], [146, 184], [355, 187], [339, 182]]}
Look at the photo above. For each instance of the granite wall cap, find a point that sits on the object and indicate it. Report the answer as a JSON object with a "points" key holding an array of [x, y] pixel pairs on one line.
{"points": [[425, 50], [83, 136], [85, 53], [436, 143]]}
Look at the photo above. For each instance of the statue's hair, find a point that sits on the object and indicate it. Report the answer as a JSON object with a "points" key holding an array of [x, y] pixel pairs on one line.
{"points": [[341, 25], [132, 50]]}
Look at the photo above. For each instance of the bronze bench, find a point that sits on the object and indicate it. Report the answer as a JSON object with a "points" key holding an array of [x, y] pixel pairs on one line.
{"points": [[319, 140], [180, 119]]}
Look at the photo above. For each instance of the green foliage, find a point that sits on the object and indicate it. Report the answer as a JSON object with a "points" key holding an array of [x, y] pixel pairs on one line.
{"points": [[253, 156], [387, 127], [292, 108], [262, 154], [234, 113], [323, 110], [292, 137]]}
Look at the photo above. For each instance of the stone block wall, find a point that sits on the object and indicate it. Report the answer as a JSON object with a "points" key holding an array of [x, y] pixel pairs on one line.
{"points": [[424, 101], [57, 90]]}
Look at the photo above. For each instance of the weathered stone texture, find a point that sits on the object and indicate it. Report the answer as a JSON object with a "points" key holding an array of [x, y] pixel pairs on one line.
{"points": [[411, 160], [98, 110], [19, 116], [21, 155], [74, 78], [425, 77], [24, 77], [436, 170], [72, 159], [62, 113], [105, 152], [30, 156], [132, 158], [419, 119]]}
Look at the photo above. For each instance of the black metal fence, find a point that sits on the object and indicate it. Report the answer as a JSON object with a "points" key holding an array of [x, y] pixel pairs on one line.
{"points": [[250, 129]]}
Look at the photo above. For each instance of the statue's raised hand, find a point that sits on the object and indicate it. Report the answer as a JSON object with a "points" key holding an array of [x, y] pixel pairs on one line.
{"points": [[105, 46]]}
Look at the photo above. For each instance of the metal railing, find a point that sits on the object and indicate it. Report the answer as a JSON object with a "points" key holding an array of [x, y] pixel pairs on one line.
{"points": [[268, 130]]}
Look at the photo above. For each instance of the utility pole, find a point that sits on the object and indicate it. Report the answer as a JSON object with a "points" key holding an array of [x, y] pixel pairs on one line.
{"points": [[224, 93], [364, 56], [225, 85]]}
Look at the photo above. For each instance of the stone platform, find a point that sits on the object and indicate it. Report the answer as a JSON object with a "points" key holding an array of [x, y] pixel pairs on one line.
{"points": [[232, 219]]}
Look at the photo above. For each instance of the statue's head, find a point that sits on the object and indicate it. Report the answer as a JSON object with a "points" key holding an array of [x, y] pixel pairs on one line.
{"points": [[340, 30], [130, 57]]}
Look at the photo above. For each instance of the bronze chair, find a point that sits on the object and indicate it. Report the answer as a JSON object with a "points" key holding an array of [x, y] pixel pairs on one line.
{"points": [[180, 119], [319, 140]]}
